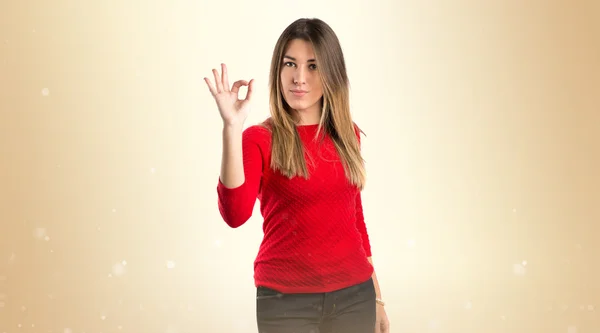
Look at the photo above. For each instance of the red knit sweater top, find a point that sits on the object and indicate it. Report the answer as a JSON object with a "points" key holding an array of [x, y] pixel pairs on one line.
{"points": [[315, 238]]}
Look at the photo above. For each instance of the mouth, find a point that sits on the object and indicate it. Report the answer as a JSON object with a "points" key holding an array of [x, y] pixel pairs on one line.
{"points": [[299, 93]]}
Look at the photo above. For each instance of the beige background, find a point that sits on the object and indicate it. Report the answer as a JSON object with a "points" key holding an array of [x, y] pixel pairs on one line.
{"points": [[482, 145]]}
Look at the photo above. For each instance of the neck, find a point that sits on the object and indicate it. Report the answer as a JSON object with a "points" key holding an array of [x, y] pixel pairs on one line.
{"points": [[307, 117]]}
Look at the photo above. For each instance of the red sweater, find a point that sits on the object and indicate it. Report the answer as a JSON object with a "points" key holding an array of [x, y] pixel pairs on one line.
{"points": [[315, 238]]}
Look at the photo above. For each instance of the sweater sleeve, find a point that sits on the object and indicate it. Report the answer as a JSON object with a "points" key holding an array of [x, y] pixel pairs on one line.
{"points": [[361, 225], [360, 218], [237, 204]]}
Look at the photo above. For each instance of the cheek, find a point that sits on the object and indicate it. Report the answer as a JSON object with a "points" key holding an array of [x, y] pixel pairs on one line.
{"points": [[319, 90], [318, 86]]}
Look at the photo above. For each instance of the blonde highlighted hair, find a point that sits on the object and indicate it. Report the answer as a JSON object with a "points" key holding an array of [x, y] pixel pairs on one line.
{"points": [[287, 153]]}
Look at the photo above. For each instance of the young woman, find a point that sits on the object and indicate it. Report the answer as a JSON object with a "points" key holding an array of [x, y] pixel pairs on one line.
{"points": [[313, 271]]}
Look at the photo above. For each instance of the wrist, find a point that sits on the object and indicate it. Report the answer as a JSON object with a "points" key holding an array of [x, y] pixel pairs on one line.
{"points": [[379, 301], [233, 126]]}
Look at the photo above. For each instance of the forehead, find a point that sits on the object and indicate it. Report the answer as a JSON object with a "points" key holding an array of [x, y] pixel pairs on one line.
{"points": [[299, 49]]}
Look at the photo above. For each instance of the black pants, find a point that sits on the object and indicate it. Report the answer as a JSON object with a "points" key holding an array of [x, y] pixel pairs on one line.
{"points": [[349, 310]]}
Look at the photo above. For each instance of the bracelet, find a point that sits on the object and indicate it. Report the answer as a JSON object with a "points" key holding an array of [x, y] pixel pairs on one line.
{"points": [[380, 301]]}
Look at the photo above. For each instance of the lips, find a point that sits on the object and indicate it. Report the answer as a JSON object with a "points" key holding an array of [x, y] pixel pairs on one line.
{"points": [[299, 93]]}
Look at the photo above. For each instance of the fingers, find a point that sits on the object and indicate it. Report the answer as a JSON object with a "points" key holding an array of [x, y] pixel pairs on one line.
{"points": [[212, 89], [224, 77], [250, 89], [218, 81], [237, 85], [222, 83]]}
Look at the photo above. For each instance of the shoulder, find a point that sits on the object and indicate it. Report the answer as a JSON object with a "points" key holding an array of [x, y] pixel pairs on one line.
{"points": [[258, 133], [257, 130]]}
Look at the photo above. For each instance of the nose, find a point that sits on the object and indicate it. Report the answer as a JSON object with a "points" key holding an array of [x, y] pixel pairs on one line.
{"points": [[300, 75]]}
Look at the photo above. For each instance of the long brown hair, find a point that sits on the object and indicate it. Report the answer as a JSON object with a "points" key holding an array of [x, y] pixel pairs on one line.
{"points": [[287, 152]]}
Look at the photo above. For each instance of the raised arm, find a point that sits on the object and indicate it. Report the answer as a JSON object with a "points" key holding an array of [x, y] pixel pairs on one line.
{"points": [[235, 191], [241, 174], [232, 166]]}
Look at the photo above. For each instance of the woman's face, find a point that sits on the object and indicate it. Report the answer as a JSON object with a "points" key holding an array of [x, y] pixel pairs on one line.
{"points": [[300, 82]]}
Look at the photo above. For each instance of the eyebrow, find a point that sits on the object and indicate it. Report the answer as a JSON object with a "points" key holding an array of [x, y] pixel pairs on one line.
{"points": [[294, 59]]}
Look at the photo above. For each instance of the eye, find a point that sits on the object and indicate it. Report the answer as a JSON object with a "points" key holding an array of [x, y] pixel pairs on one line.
{"points": [[313, 67], [288, 64]]}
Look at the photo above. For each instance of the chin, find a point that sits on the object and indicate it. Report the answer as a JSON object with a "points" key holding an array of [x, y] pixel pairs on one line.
{"points": [[300, 106]]}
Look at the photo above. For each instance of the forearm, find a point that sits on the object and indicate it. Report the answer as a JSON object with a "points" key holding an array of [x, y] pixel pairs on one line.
{"points": [[232, 164], [375, 282]]}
